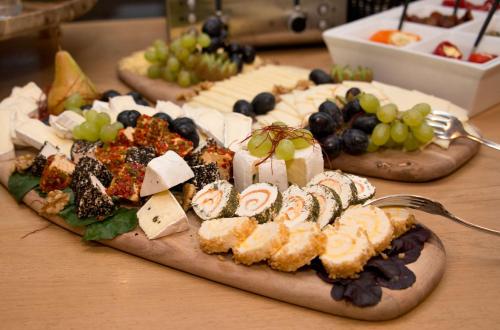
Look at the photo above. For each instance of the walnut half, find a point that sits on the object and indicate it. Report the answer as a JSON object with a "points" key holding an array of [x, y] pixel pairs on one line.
{"points": [[55, 202]]}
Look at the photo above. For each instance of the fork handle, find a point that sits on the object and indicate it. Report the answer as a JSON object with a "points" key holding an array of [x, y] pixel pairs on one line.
{"points": [[488, 143], [471, 225]]}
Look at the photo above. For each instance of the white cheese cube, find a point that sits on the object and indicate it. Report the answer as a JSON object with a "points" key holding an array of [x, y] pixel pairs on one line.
{"points": [[170, 108], [121, 103], [305, 164], [161, 216], [30, 90], [243, 169], [65, 122], [165, 172], [208, 120], [273, 171], [237, 127], [100, 106], [6, 145]]}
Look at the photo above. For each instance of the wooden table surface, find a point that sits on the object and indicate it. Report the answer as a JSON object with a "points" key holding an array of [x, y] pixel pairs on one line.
{"points": [[49, 278]]}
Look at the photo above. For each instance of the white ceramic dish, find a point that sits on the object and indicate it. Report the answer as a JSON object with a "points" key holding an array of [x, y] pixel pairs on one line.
{"points": [[472, 86]]}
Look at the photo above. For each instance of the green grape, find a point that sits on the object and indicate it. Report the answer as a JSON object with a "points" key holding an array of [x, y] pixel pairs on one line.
{"points": [[369, 103], [184, 78], [150, 55], [259, 145], [117, 125], [108, 133], [424, 133], [285, 150], [391, 144], [169, 75], [411, 143], [372, 147], [175, 45], [412, 117], [74, 101], [423, 108], [188, 41], [304, 140], [399, 131], [381, 134], [194, 78], [91, 115], [102, 119], [203, 40], [77, 110], [182, 54], [77, 132], [191, 61], [173, 65], [162, 53], [387, 113], [278, 123], [154, 71], [90, 131]]}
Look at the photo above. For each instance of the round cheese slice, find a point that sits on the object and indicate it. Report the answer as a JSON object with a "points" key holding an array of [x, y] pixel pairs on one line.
{"points": [[221, 235], [340, 183], [364, 189], [218, 199], [347, 250], [305, 242], [261, 201], [401, 219], [374, 221], [328, 201], [298, 206]]}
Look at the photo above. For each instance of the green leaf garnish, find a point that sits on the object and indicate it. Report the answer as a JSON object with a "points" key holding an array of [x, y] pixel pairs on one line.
{"points": [[20, 184], [69, 215], [123, 221]]}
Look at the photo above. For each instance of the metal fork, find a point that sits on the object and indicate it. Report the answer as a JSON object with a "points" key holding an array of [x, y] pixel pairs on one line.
{"points": [[449, 127], [426, 205]]}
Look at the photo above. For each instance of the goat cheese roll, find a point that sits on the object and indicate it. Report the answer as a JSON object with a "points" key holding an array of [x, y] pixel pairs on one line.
{"points": [[328, 201], [221, 235], [261, 201], [364, 189], [218, 199], [340, 183], [298, 206]]}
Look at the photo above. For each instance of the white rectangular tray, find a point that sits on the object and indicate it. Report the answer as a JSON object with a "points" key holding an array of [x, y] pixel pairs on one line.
{"points": [[474, 87]]}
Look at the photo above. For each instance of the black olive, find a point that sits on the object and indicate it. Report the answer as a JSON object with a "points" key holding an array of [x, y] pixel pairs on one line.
{"points": [[244, 107], [248, 54], [109, 94], [319, 77], [263, 103]]}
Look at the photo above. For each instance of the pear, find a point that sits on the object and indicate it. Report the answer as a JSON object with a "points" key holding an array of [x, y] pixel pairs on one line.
{"points": [[68, 80]]}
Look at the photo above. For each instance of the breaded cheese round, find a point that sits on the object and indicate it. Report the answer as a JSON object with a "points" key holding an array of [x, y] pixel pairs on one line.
{"points": [[347, 250], [401, 218], [218, 199], [262, 243], [261, 201], [221, 235], [305, 242], [364, 189], [298, 206], [340, 183], [374, 221], [328, 201]]}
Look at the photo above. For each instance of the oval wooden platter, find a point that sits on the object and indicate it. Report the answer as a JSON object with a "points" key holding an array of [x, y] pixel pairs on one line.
{"points": [[429, 164], [181, 251]]}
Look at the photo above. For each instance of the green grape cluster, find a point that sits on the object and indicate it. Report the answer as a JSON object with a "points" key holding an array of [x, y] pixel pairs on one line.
{"points": [[407, 129], [97, 126], [183, 62]]}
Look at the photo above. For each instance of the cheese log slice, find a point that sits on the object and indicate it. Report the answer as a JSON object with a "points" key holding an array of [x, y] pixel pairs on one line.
{"points": [[221, 235], [306, 164], [170, 108], [401, 219], [262, 243], [305, 242], [328, 201], [162, 215], [273, 171], [237, 128], [6, 146], [340, 183], [373, 221], [298, 207], [34, 133], [347, 250], [165, 172]]}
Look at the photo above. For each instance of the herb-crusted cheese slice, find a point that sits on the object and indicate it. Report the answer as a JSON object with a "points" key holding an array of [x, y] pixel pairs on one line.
{"points": [[161, 216], [218, 199], [298, 206], [341, 184]]}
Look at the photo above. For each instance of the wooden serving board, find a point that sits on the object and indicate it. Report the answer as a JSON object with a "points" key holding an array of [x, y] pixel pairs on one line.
{"points": [[429, 164], [181, 251]]}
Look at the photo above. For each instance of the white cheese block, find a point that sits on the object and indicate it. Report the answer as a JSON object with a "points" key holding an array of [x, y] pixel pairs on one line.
{"points": [[209, 121], [65, 122], [30, 90], [34, 133], [170, 108], [273, 171], [100, 106], [165, 172], [6, 146], [305, 164], [120, 103], [237, 127], [161, 216], [243, 169], [145, 110]]}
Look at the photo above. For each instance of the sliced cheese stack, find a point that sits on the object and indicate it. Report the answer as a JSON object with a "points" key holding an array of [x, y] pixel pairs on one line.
{"points": [[347, 250], [340, 183], [262, 243], [401, 219], [373, 221], [328, 201], [305, 242], [298, 207], [218, 199], [221, 235], [261, 201]]}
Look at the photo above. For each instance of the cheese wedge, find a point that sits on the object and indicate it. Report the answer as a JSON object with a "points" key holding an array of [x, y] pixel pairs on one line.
{"points": [[237, 128], [165, 172], [34, 133], [161, 216], [221, 235]]}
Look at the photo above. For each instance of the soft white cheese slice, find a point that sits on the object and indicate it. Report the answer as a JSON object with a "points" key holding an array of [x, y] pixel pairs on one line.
{"points": [[34, 133], [65, 122], [208, 120], [30, 90], [170, 108], [100, 106], [121, 103], [6, 146], [305, 164], [161, 216], [273, 171], [237, 127], [165, 172]]}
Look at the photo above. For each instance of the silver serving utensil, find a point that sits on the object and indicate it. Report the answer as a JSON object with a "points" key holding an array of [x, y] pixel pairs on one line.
{"points": [[448, 127], [425, 205]]}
